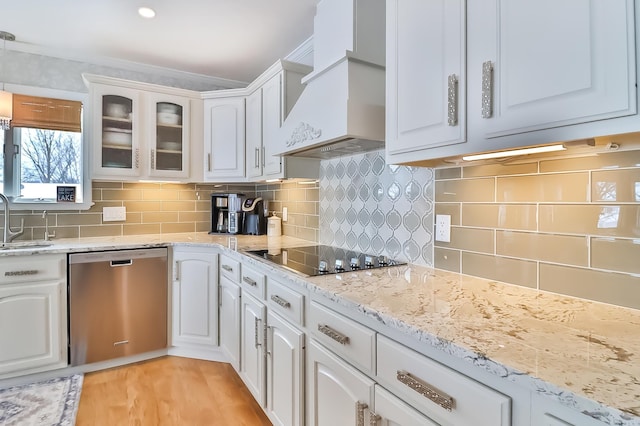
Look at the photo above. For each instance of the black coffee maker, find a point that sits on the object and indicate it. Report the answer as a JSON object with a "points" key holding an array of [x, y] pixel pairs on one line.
{"points": [[255, 216], [226, 214]]}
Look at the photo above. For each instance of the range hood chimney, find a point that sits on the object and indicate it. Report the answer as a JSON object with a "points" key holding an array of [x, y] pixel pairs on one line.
{"points": [[341, 110]]}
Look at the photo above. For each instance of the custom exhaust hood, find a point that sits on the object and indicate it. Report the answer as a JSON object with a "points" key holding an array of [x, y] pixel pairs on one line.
{"points": [[341, 110]]}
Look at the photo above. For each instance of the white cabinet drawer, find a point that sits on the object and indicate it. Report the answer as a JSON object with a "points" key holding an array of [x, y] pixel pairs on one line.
{"points": [[254, 282], [347, 338], [18, 269], [287, 302], [230, 268], [430, 387]]}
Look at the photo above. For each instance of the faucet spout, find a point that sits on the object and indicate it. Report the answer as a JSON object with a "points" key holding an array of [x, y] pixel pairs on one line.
{"points": [[8, 235]]}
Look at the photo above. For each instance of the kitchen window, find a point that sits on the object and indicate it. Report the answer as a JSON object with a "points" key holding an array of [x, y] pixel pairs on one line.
{"points": [[45, 149]]}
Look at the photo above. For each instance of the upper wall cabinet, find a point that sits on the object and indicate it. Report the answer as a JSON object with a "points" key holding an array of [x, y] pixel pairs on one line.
{"points": [[140, 130], [537, 72], [241, 127], [267, 107], [224, 137]]}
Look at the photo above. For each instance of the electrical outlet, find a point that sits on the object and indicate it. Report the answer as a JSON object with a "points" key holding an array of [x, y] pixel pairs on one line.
{"points": [[114, 214], [443, 228]]}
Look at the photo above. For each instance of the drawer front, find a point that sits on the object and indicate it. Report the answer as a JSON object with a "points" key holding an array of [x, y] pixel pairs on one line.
{"points": [[32, 268], [254, 282], [287, 302], [439, 392], [354, 342], [230, 268]]}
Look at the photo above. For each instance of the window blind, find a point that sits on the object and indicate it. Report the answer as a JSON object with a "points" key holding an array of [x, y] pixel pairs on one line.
{"points": [[46, 113]]}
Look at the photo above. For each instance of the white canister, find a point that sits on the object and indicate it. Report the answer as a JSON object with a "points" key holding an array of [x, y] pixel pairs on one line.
{"points": [[274, 226]]}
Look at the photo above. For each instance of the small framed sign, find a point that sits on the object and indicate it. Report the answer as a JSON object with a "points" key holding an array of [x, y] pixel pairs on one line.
{"points": [[66, 194]]}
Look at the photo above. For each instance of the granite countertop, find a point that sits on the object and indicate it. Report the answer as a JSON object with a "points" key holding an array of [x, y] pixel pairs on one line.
{"points": [[585, 355]]}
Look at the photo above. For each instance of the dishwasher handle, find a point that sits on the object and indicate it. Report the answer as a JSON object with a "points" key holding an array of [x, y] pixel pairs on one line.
{"points": [[124, 262]]}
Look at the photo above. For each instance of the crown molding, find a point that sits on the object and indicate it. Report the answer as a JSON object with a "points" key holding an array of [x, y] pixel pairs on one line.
{"points": [[301, 52]]}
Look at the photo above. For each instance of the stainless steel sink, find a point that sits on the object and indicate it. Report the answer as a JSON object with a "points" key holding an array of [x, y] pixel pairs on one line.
{"points": [[25, 244]]}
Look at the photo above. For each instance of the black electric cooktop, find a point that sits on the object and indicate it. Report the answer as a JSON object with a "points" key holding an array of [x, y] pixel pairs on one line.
{"points": [[322, 260]]}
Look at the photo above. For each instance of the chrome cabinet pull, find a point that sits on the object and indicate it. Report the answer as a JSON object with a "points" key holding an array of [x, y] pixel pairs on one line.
{"points": [[256, 158], [335, 335], [360, 407], [177, 270], [263, 157], [374, 418], [249, 281], [227, 268], [153, 159], [452, 100], [256, 342], [137, 155], [121, 342], [280, 301], [21, 273], [267, 329], [209, 162], [440, 398], [487, 89]]}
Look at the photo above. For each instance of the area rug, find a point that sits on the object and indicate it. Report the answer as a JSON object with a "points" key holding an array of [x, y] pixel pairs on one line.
{"points": [[51, 402]]}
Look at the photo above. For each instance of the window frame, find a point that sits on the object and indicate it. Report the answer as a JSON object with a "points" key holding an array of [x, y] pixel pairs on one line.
{"points": [[87, 202]]}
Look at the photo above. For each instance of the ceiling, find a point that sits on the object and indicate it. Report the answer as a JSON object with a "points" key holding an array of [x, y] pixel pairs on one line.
{"points": [[231, 39]]}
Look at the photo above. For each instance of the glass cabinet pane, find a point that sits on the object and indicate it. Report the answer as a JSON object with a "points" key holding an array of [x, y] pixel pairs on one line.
{"points": [[169, 137], [117, 132]]}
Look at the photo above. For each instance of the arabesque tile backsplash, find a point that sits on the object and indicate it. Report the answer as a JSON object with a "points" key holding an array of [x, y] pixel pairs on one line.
{"points": [[570, 225]]}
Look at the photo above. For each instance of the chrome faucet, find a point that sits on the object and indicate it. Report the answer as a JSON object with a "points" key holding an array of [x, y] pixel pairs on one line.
{"points": [[47, 235], [8, 235]]}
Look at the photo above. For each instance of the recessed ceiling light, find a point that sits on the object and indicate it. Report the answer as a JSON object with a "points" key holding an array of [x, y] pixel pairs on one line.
{"points": [[146, 12]]}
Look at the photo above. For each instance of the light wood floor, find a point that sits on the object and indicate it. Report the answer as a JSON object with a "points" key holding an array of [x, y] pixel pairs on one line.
{"points": [[168, 391]]}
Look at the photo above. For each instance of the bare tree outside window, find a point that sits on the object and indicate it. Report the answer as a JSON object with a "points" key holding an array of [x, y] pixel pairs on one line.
{"points": [[50, 156]]}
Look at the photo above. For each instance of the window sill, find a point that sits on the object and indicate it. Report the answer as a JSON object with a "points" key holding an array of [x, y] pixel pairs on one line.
{"points": [[19, 204]]}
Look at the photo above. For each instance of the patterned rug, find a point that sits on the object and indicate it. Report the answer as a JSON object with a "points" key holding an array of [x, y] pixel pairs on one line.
{"points": [[52, 402]]}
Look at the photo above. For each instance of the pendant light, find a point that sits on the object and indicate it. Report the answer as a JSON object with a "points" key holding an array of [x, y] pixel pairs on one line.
{"points": [[6, 98]]}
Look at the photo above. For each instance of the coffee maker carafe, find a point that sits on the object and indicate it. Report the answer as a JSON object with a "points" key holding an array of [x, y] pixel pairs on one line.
{"points": [[255, 217], [226, 214]]}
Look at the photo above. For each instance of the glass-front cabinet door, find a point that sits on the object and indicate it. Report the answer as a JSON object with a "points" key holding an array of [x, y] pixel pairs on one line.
{"points": [[169, 136], [117, 132]]}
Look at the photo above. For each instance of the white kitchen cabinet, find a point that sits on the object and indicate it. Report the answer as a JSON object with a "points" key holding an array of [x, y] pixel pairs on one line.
{"points": [[334, 388], [229, 301], [224, 138], [195, 298], [277, 90], [33, 314], [546, 412], [140, 131], [391, 411], [425, 74], [252, 347], [536, 72], [285, 377]]}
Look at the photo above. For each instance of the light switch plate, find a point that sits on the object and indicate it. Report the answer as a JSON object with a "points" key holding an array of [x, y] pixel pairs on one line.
{"points": [[285, 214], [114, 214], [443, 228]]}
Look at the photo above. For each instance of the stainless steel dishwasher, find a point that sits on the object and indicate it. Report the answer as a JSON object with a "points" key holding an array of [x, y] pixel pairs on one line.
{"points": [[117, 303]]}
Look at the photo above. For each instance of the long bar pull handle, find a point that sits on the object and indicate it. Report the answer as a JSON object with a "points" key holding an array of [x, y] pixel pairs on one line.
{"points": [[256, 342], [137, 159], [374, 418], [227, 268], [125, 262], [249, 281], [429, 392], [21, 273], [121, 342], [153, 159], [209, 162], [280, 301], [177, 270], [487, 89], [452, 100], [335, 335], [267, 331], [256, 158], [360, 407], [263, 157]]}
